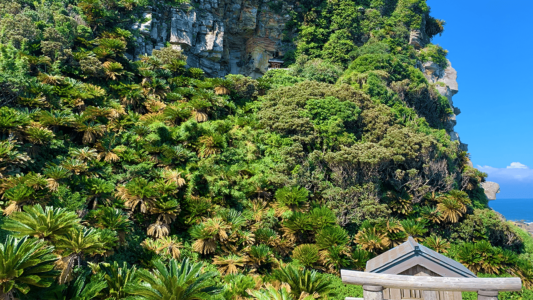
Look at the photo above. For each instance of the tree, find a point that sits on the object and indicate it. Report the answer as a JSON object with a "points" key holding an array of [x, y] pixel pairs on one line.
{"points": [[183, 281], [25, 262], [48, 223]]}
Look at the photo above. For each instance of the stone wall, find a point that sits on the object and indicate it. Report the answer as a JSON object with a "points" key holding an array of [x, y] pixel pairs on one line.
{"points": [[219, 36]]}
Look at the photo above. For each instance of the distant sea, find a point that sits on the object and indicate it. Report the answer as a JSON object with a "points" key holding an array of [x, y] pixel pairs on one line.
{"points": [[514, 209]]}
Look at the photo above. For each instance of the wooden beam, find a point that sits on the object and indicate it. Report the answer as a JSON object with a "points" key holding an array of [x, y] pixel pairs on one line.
{"points": [[427, 283]]}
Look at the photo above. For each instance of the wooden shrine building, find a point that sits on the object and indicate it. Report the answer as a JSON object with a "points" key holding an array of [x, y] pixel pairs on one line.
{"points": [[275, 63], [411, 258]]}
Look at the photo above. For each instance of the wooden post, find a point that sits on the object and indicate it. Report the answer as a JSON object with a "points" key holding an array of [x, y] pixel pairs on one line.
{"points": [[430, 295], [373, 292], [487, 295]]}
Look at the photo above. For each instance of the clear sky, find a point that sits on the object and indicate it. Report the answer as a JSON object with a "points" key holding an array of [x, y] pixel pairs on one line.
{"points": [[490, 44]]}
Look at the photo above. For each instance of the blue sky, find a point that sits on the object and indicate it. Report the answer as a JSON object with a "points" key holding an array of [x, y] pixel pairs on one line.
{"points": [[490, 44]]}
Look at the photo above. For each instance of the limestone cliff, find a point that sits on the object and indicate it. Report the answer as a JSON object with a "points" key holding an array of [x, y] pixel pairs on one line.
{"points": [[219, 36]]}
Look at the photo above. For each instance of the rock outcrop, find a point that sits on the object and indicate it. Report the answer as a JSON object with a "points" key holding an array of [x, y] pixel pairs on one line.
{"points": [[219, 36], [491, 189], [418, 37], [446, 83]]}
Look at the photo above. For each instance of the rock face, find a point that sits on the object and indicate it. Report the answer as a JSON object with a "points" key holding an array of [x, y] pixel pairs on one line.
{"points": [[446, 80], [418, 37], [219, 36], [491, 189]]}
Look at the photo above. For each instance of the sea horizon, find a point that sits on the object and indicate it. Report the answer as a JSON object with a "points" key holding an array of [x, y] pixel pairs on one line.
{"points": [[514, 209]]}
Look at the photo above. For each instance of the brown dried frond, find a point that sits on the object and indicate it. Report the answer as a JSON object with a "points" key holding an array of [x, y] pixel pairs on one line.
{"points": [[65, 265], [173, 176], [11, 208], [200, 116], [205, 246], [109, 156], [222, 90], [229, 264], [166, 218], [49, 79], [158, 230], [154, 105], [52, 184]]}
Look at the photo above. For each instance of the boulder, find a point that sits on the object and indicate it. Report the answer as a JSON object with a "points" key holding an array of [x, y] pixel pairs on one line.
{"points": [[491, 189]]}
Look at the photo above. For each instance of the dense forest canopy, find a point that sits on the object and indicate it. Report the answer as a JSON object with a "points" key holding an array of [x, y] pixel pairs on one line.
{"points": [[145, 179]]}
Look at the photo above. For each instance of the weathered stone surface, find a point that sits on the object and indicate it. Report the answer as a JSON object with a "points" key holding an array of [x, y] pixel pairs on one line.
{"points": [[221, 36], [182, 28], [446, 83], [418, 38], [491, 189]]}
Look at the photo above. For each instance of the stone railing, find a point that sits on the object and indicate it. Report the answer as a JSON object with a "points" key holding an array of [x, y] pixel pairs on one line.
{"points": [[374, 283]]}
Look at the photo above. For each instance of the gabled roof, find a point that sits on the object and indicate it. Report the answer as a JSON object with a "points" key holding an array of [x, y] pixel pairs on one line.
{"points": [[276, 60], [410, 254]]}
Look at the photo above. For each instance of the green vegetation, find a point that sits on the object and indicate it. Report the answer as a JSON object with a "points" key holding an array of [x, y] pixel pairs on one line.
{"points": [[145, 179]]}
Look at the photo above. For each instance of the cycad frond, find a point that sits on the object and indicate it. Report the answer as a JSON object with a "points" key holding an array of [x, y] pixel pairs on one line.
{"points": [[175, 281], [25, 262], [41, 223]]}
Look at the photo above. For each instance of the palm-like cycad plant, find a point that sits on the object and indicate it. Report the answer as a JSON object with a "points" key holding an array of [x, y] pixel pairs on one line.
{"points": [[292, 197], [168, 246], [414, 228], [303, 281], [322, 217], [55, 174], [183, 281], [42, 223], [113, 219], [307, 254], [138, 193], [271, 293], [25, 262], [332, 236], [205, 239], [360, 257], [229, 264], [372, 239], [76, 244], [297, 225], [431, 213], [82, 288], [453, 205], [437, 243], [261, 257], [117, 278]]}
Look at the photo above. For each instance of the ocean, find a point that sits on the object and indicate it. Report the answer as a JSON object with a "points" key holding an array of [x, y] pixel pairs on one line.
{"points": [[514, 209]]}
